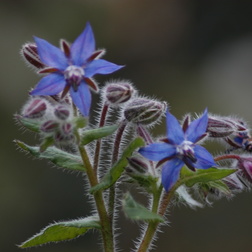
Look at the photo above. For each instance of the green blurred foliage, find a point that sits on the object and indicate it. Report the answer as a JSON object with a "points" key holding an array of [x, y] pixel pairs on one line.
{"points": [[193, 54]]}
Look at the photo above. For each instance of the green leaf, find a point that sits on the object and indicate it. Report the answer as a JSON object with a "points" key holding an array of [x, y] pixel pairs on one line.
{"points": [[31, 124], [115, 172], [93, 134], [62, 231], [189, 178], [144, 180], [136, 211], [58, 157]]}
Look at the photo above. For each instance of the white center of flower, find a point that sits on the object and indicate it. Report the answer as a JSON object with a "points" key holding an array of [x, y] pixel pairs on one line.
{"points": [[74, 75], [185, 149]]}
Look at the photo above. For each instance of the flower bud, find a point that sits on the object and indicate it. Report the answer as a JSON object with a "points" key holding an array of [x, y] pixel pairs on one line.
{"points": [[35, 108], [144, 111], [49, 126], [245, 166], [233, 182], [138, 164], [224, 126], [117, 93], [65, 133], [30, 53], [62, 112]]}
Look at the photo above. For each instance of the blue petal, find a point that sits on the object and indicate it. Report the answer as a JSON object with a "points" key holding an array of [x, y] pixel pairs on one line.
{"points": [[197, 128], [157, 151], [50, 85], [100, 66], [175, 133], [82, 98], [51, 55], [83, 46], [204, 158], [170, 173]]}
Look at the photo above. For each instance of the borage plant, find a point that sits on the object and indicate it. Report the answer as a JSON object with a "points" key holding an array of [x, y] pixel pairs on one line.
{"points": [[173, 168]]}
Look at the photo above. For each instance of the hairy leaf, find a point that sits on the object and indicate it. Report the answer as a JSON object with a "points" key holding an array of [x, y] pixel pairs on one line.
{"points": [[115, 172], [30, 124], [93, 134], [189, 178], [62, 231], [58, 157], [136, 211]]}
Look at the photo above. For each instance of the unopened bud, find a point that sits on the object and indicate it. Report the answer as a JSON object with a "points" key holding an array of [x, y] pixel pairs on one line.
{"points": [[245, 166], [30, 53], [138, 164], [35, 108], [49, 126], [62, 112], [233, 182], [217, 127], [117, 93], [144, 111], [65, 133]]}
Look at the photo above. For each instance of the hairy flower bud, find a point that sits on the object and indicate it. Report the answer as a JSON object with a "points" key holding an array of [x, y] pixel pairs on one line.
{"points": [[138, 164], [118, 93], [223, 126], [35, 108], [144, 111], [244, 164], [233, 182], [65, 132], [30, 53], [62, 112], [49, 126]]}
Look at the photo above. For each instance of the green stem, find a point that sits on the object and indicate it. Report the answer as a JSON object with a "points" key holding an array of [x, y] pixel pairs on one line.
{"points": [[156, 208], [106, 230]]}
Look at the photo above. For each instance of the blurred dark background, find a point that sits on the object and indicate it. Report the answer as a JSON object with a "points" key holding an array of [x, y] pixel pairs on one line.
{"points": [[193, 54]]}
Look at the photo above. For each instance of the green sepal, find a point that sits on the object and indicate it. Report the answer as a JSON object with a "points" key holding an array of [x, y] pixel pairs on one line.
{"points": [[47, 142], [115, 172], [62, 231], [146, 181], [80, 122], [30, 124], [94, 134], [190, 178], [58, 157], [136, 211], [218, 185]]}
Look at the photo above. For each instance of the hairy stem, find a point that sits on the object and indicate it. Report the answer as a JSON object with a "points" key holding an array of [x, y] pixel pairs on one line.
{"points": [[117, 142], [99, 141], [106, 228], [159, 208]]}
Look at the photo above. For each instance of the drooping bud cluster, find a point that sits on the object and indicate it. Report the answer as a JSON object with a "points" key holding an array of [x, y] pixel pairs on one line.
{"points": [[54, 120], [144, 111]]}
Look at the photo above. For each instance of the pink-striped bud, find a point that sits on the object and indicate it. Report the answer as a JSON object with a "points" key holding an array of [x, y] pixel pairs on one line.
{"points": [[35, 108], [144, 111], [49, 126], [62, 112], [118, 93]]}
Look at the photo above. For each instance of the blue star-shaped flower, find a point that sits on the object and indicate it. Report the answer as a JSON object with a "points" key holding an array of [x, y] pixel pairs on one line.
{"points": [[72, 68], [180, 148]]}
